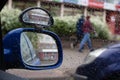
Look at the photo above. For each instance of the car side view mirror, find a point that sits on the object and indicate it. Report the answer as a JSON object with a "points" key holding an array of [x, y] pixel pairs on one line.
{"points": [[33, 48], [29, 48]]}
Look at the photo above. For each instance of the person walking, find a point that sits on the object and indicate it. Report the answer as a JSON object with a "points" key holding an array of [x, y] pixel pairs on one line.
{"points": [[87, 29], [79, 31]]}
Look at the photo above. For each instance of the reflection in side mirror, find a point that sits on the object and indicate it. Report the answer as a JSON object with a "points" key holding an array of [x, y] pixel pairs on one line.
{"points": [[32, 49], [36, 16], [38, 49]]}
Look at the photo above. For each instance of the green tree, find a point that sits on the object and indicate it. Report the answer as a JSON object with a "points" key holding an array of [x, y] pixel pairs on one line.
{"points": [[9, 19]]}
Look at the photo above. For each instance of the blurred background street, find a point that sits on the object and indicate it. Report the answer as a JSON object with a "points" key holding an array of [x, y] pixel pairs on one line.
{"points": [[105, 17], [72, 59]]}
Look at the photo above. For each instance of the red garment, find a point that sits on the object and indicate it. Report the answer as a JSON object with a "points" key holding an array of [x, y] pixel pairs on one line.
{"points": [[87, 27]]}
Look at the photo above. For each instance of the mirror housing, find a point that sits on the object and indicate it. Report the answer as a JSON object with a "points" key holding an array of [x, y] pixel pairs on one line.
{"points": [[36, 16], [13, 53]]}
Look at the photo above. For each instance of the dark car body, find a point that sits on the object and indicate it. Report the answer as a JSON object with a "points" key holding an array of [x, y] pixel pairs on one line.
{"points": [[105, 65]]}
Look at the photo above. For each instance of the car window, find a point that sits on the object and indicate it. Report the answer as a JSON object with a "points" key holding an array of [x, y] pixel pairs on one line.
{"points": [[100, 25]]}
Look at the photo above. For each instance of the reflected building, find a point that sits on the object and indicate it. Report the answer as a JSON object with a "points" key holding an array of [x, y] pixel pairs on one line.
{"points": [[47, 48]]}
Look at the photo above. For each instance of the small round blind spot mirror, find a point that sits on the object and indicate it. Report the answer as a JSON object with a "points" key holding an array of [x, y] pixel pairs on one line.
{"points": [[36, 16]]}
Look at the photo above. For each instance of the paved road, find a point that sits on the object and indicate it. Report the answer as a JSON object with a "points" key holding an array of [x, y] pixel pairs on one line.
{"points": [[72, 59]]}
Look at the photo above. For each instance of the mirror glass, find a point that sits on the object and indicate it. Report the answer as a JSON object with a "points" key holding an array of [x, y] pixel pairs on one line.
{"points": [[37, 17], [38, 49]]}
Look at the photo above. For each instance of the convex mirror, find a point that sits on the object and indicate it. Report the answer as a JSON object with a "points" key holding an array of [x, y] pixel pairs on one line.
{"points": [[36, 16], [32, 49], [38, 49]]}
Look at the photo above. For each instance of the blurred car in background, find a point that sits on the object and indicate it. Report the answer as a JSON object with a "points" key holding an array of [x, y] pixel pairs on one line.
{"points": [[101, 64]]}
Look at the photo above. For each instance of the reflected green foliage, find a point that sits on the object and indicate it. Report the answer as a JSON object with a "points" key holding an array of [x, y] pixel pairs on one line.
{"points": [[33, 38]]}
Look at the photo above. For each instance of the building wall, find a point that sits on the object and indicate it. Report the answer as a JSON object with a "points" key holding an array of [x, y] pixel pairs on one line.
{"points": [[111, 8], [113, 20]]}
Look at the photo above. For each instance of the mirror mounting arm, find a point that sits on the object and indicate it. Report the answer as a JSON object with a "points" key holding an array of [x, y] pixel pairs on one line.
{"points": [[39, 29]]}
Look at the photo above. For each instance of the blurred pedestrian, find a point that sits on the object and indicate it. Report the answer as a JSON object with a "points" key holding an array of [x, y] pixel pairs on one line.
{"points": [[87, 29], [79, 31]]}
